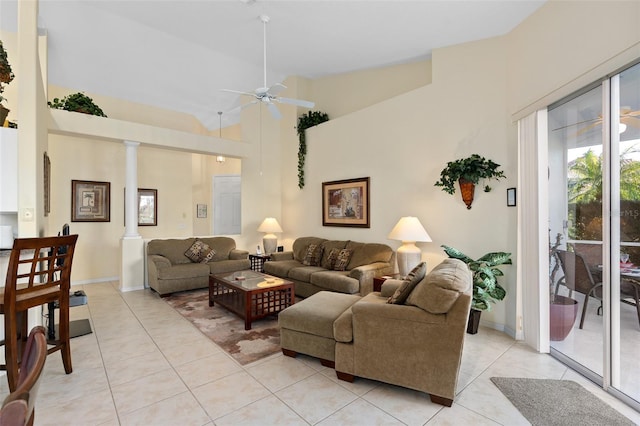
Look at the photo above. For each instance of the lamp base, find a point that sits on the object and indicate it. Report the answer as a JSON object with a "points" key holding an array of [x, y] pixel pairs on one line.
{"points": [[408, 255], [269, 243]]}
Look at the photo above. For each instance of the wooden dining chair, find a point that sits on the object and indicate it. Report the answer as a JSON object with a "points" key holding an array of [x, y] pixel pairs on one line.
{"points": [[33, 360], [39, 272]]}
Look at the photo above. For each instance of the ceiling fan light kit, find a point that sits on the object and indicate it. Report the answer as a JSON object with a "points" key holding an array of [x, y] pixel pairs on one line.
{"points": [[265, 94]]}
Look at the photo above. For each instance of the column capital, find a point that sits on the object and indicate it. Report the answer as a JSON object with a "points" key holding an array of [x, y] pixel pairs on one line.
{"points": [[131, 143]]}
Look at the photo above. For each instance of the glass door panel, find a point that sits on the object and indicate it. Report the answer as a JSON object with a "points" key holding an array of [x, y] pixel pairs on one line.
{"points": [[576, 229]]}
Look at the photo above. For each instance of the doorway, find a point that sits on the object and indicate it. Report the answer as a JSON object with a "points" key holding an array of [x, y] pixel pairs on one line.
{"points": [[226, 203]]}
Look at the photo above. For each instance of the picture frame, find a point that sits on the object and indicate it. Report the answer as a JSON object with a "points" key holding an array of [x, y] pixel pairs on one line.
{"points": [[90, 201], [201, 210], [147, 207], [346, 203], [511, 197]]}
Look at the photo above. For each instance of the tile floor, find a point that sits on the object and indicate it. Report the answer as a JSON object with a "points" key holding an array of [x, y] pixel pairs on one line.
{"points": [[144, 364]]}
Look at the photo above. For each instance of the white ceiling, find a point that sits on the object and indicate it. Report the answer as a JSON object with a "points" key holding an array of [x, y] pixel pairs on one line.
{"points": [[179, 54]]}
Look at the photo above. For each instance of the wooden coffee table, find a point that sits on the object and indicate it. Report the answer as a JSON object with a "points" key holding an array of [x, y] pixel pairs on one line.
{"points": [[251, 295]]}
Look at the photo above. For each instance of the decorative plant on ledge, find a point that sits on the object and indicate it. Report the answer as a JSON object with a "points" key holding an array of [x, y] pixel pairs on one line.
{"points": [[6, 76], [310, 119], [468, 172], [77, 102]]}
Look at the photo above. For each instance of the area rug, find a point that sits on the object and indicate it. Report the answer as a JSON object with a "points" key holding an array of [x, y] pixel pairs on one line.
{"points": [[558, 402], [226, 329]]}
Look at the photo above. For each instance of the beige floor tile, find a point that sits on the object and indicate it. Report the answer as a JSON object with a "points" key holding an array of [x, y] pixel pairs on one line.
{"points": [[359, 412], [89, 409], [182, 409], [359, 386], [200, 348], [316, 397], [229, 393], [59, 389], [269, 410], [409, 406], [457, 415], [126, 348], [204, 370], [129, 369], [280, 372], [484, 398], [147, 390]]}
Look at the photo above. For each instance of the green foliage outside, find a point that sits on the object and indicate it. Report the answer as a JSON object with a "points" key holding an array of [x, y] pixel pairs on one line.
{"points": [[6, 75]]}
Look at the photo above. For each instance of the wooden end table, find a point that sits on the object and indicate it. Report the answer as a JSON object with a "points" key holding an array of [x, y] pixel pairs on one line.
{"points": [[251, 295], [257, 261], [377, 281]]}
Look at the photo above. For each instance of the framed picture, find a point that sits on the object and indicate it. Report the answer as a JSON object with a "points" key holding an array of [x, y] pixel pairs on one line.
{"points": [[147, 207], [511, 197], [202, 211], [90, 201], [346, 203]]}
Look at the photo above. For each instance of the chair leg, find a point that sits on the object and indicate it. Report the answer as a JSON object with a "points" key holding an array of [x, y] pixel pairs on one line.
{"points": [[65, 347], [11, 348], [584, 309]]}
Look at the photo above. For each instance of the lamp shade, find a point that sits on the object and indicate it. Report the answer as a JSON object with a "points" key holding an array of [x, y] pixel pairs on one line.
{"points": [[409, 228], [269, 225]]}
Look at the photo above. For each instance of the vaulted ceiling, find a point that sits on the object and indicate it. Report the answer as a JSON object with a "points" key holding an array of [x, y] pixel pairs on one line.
{"points": [[179, 54]]}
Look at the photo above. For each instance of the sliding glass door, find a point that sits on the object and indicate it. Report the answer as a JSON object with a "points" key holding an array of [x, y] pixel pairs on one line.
{"points": [[594, 230]]}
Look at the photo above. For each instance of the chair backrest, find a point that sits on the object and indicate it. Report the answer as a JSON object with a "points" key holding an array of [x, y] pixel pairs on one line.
{"points": [[38, 266], [577, 275], [33, 359]]}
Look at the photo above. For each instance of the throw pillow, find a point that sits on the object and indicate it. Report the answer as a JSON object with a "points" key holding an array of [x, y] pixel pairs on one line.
{"points": [[415, 276], [441, 288], [313, 255], [342, 260], [200, 252], [330, 262]]}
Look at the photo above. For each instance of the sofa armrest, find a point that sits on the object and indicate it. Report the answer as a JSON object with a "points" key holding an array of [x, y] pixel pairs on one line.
{"points": [[365, 273], [236, 254], [283, 255], [159, 261], [390, 286]]}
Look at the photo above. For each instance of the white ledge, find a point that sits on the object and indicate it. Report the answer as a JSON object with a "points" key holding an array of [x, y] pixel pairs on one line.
{"points": [[76, 124]]}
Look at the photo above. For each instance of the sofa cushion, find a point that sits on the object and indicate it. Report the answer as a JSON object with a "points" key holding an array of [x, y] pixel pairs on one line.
{"points": [[231, 265], [172, 249], [313, 255], [184, 271], [300, 246], [364, 254], [331, 246], [304, 273], [342, 261], [222, 245], [408, 284], [200, 252], [281, 268], [439, 289], [339, 281]]}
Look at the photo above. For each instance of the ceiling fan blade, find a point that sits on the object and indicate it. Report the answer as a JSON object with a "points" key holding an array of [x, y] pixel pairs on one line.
{"points": [[276, 88], [274, 111], [238, 92], [298, 102]]}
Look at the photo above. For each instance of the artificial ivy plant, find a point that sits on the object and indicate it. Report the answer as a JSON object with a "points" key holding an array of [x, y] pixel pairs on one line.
{"points": [[310, 119], [77, 102], [6, 75]]}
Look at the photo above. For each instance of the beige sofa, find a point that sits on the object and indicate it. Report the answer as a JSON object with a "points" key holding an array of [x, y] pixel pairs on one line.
{"points": [[366, 261], [417, 344], [170, 270]]}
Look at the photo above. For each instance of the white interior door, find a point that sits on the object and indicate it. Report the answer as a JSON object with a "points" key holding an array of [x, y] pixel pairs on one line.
{"points": [[226, 205]]}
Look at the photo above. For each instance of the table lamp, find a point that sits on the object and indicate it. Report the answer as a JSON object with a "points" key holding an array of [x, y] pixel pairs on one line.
{"points": [[270, 225], [408, 230]]}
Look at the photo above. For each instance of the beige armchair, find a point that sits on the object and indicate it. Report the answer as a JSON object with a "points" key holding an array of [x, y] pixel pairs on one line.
{"points": [[418, 344]]}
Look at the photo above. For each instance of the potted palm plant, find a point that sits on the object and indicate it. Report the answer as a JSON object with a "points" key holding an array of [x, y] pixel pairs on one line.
{"points": [[486, 289], [468, 172], [6, 76]]}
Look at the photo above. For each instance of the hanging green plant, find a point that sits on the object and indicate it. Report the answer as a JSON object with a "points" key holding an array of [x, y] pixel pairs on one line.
{"points": [[77, 102], [310, 119]]}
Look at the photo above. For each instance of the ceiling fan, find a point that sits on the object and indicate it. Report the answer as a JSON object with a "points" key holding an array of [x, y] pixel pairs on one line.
{"points": [[267, 95], [628, 117]]}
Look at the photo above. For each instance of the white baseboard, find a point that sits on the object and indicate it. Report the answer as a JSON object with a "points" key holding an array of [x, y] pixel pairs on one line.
{"points": [[95, 281], [501, 327]]}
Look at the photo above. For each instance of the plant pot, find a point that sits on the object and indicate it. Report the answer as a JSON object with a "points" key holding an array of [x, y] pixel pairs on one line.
{"points": [[474, 321], [562, 315], [3, 115], [467, 188]]}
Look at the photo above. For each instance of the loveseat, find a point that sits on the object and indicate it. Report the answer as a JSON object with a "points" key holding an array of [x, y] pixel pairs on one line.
{"points": [[315, 264], [410, 334], [185, 264]]}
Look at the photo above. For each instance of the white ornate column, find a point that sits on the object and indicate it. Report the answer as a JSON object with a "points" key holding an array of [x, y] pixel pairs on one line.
{"points": [[131, 244]]}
